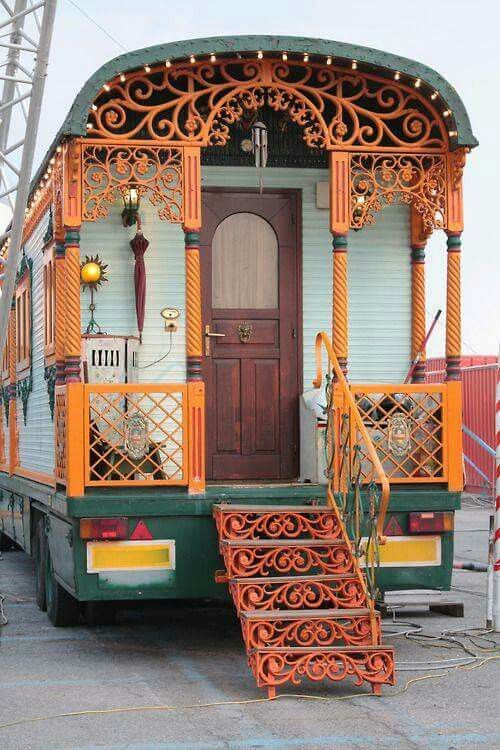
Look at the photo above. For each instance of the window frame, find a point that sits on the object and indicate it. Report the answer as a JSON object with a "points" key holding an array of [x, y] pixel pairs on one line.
{"points": [[24, 324]]}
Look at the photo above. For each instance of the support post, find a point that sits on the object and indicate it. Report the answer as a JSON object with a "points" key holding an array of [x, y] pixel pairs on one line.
{"points": [[496, 554], [193, 307], [72, 348], [196, 431], [340, 300], [75, 439], [453, 307], [418, 243], [60, 328]]}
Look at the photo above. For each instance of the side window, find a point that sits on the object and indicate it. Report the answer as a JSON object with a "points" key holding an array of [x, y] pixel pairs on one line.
{"points": [[23, 324], [49, 296]]}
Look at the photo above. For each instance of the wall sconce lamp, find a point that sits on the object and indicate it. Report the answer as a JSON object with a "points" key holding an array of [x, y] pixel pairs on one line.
{"points": [[131, 202]]}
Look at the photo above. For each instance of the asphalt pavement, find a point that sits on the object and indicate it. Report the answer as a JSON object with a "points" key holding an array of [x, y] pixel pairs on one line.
{"points": [[187, 655]]}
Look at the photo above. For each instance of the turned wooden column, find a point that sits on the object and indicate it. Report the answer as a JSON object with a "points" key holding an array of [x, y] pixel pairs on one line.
{"points": [[340, 306], [193, 306], [72, 346], [453, 307], [418, 308], [60, 297]]}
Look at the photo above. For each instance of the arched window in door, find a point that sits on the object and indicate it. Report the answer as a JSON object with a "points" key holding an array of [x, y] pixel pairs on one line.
{"points": [[245, 264]]}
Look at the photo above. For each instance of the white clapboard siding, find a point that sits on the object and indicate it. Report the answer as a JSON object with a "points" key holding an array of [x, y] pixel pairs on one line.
{"points": [[115, 300], [379, 274], [36, 437]]}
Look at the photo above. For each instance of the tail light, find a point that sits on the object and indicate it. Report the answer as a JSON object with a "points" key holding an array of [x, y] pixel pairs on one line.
{"points": [[104, 528], [423, 523]]}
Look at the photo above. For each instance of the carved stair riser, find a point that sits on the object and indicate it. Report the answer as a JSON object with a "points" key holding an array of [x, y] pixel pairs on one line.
{"points": [[307, 632], [304, 594], [278, 525]]}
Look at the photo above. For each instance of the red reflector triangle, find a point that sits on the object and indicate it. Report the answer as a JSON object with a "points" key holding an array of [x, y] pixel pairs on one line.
{"points": [[393, 528], [141, 531]]}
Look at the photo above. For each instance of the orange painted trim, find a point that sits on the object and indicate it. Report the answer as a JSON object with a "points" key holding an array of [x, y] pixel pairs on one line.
{"points": [[339, 192], [454, 435], [36, 476], [37, 210], [72, 183], [75, 440], [454, 193], [192, 187], [196, 437]]}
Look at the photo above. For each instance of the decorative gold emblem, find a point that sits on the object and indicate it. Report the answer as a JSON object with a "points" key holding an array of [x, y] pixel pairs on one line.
{"points": [[399, 436], [244, 332], [136, 436]]}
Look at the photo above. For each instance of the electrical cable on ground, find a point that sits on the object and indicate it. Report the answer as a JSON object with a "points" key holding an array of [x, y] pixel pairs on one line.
{"points": [[130, 709]]}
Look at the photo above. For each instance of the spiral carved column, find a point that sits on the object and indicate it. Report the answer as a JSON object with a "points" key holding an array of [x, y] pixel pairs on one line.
{"points": [[60, 275], [72, 348], [418, 309], [340, 300], [193, 307], [453, 308]]}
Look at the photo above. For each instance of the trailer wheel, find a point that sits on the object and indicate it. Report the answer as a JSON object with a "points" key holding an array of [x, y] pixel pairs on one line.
{"points": [[40, 557], [62, 608], [5, 543]]}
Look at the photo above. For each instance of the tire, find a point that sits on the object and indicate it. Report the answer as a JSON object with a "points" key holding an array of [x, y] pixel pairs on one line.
{"points": [[62, 608], [40, 558], [99, 613], [5, 543]]}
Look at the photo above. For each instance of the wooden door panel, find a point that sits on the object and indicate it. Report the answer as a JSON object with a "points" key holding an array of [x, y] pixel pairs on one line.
{"points": [[253, 385], [227, 405]]}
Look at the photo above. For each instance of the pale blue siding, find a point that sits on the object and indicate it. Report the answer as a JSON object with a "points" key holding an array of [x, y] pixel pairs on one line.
{"points": [[379, 280], [36, 437]]}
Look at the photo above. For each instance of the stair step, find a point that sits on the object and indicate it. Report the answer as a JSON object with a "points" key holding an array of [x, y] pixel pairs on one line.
{"points": [[229, 507], [297, 592], [275, 666], [317, 628], [278, 521], [300, 614], [252, 558]]}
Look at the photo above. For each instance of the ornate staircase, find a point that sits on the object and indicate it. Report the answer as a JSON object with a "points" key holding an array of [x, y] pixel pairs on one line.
{"points": [[301, 597]]}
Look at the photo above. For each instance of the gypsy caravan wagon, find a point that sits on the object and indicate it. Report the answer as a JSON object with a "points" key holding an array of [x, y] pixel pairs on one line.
{"points": [[221, 291]]}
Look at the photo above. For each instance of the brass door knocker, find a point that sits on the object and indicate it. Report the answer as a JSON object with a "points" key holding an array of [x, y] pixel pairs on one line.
{"points": [[244, 332]]}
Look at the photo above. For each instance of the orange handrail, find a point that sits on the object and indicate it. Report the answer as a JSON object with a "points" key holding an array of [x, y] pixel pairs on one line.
{"points": [[322, 339]]}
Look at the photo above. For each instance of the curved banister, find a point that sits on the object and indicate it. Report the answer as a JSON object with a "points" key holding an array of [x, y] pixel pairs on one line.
{"points": [[322, 339]]}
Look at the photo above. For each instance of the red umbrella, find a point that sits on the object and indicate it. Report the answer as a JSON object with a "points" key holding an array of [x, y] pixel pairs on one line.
{"points": [[139, 246]]}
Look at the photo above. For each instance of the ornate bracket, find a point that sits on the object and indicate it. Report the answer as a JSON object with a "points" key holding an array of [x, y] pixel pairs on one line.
{"points": [[378, 179], [109, 170], [50, 379], [24, 388], [5, 396]]}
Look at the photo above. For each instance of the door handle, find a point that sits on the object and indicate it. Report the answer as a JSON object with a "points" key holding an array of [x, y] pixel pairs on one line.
{"points": [[208, 335]]}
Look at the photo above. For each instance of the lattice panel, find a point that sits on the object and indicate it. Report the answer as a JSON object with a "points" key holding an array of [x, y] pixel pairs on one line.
{"points": [[60, 434], [407, 430], [136, 436]]}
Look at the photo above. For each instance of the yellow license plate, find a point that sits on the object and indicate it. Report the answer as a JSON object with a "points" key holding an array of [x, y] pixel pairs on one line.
{"points": [[151, 555]]}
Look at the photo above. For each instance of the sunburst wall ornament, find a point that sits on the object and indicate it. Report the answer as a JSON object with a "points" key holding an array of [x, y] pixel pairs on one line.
{"points": [[93, 272]]}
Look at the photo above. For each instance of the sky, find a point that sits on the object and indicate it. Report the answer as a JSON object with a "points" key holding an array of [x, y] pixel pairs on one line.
{"points": [[458, 38]]}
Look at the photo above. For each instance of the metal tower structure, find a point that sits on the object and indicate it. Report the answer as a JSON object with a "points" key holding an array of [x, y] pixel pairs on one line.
{"points": [[25, 37]]}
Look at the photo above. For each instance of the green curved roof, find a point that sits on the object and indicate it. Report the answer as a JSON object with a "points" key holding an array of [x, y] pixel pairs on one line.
{"points": [[75, 123]]}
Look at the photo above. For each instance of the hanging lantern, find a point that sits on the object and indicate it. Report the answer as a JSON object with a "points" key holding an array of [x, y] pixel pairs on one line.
{"points": [[131, 202]]}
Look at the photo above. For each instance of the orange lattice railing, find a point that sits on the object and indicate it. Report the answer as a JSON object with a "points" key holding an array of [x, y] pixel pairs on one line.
{"points": [[409, 425], [130, 435], [135, 434]]}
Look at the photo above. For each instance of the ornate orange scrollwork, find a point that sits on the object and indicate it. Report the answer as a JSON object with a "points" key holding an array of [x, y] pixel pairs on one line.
{"points": [[378, 179], [108, 170], [197, 103]]}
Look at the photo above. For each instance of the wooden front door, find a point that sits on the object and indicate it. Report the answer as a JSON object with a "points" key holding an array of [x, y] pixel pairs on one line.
{"points": [[249, 262]]}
